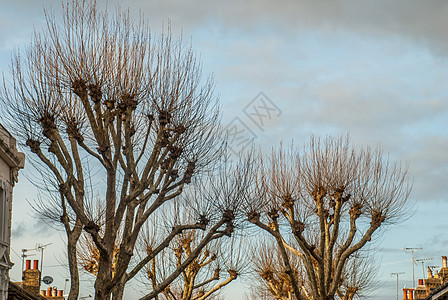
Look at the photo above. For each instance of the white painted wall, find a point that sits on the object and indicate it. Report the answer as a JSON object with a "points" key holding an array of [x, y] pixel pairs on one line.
{"points": [[6, 188]]}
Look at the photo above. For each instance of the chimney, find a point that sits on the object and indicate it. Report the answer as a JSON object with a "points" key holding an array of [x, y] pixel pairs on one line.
{"points": [[31, 278], [411, 294], [429, 273], [444, 265], [28, 264], [36, 265], [420, 282], [405, 294], [437, 274]]}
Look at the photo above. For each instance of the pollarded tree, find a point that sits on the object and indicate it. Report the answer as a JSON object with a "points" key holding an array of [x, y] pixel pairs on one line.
{"points": [[329, 199], [270, 276], [357, 281], [101, 103], [191, 263], [199, 280], [205, 256], [359, 278], [210, 272]]}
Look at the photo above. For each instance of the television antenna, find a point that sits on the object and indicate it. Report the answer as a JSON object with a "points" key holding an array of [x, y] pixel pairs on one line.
{"points": [[422, 261], [397, 274], [432, 267], [24, 251], [412, 250], [41, 248]]}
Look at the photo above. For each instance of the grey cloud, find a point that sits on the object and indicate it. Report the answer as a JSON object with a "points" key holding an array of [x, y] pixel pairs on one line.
{"points": [[41, 228], [353, 105], [429, 166], [19, 229], [390, 250], [423, 21], [25, 229]]}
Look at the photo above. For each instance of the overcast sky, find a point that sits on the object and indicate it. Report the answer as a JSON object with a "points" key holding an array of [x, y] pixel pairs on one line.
{"points": [[375, 69]]}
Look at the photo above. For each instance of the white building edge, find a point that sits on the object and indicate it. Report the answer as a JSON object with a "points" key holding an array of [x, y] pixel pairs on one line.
{"points": [[10, 162]]}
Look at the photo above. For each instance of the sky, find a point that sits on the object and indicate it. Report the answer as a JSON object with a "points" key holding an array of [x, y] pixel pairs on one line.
{"points": [[377, 70]]}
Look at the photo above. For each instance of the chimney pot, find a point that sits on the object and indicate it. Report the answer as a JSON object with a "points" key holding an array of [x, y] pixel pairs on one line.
{"points": [[444, 263], [420, 282], [49, 291], [405, 294], [54, 292], [36, 265], [42, 292], [411, 294], [61, 294], [28, 264]]}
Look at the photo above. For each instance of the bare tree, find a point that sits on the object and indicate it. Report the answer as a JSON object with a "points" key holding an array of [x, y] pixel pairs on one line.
{"points": [[358, 279], [88, 255], [215, 201], [329, 199], [101, 103], [270, 271], [211, 271], [51, 207], [200, 279]]}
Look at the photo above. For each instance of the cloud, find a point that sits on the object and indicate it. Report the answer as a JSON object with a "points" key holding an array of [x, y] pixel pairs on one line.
{"points": [[25, 228], [19, 229], [422, 21], [429, 166], [390, 250], [377, 105]]}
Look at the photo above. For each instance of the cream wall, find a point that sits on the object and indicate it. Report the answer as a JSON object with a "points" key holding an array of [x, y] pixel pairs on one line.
{"points": [[5, 171], [10, 162]]}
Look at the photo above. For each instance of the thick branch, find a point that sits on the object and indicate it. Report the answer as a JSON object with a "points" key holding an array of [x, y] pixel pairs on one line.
{"points": [[175, 231], [210, 236], [232, 276]]}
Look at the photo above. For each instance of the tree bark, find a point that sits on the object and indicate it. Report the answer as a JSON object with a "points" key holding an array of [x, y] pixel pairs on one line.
{"points": [[118, 291], [72, 240]]}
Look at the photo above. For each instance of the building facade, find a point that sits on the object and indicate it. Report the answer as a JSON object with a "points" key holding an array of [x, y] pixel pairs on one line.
{"points": [[432, 288], [28, 289], [10, 162]]}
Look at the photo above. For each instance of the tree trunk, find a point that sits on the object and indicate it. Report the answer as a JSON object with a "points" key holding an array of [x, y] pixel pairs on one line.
{"points": [[105, 263], [118, 291], [103, 277], [72, 240]]}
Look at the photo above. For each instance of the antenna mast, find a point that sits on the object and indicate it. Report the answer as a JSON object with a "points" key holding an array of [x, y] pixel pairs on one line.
{"points": [[422, 260], [26, 255], [412, 250], [397, 274], [41, 248]]}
